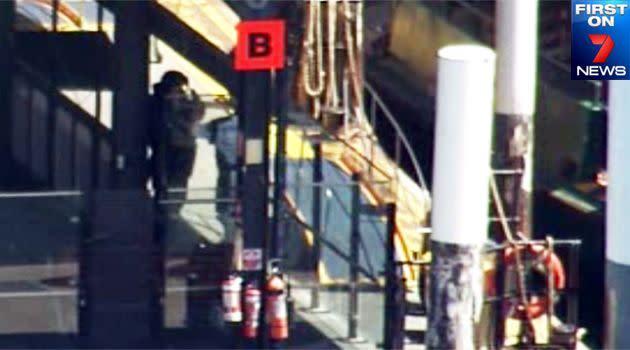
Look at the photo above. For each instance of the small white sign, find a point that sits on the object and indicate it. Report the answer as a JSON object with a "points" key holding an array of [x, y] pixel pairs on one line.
{"points": [[252, 259], [254, 151]]}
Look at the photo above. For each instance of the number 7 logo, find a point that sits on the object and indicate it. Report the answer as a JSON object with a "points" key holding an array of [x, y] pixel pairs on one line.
{"points": [[606, 43]]}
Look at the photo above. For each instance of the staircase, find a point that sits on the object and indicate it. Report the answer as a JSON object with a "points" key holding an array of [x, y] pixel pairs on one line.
{"points": [[69, 129], [56, 145]]}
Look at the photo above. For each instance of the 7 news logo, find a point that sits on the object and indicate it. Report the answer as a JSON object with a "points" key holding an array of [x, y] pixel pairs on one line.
{"points": [[600, 46]]}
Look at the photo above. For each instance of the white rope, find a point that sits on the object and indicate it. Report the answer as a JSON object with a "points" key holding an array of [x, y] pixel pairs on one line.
{"points": [[351, 49], [332, 95], [313, 46], [520, 269]]}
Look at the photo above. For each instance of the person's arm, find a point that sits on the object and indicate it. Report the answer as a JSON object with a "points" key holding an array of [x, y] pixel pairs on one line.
{"points": [[198, 107], [211, 128]]}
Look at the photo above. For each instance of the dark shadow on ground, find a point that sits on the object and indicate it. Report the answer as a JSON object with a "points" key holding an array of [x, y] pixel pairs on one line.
{"points": [[39, 341], [302, 336], [305, 336]]}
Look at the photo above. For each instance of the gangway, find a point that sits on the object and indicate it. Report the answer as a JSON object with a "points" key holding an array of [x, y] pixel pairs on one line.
{"points": [[353, 151]]}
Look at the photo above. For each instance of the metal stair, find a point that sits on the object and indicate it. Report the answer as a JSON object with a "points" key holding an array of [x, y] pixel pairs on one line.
{"points": [[56, 144]]}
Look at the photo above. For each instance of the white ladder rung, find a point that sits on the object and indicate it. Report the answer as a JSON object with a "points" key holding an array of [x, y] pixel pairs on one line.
{"points": [[507, 171]]}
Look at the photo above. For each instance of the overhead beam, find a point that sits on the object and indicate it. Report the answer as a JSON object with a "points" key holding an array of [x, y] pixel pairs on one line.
{"points": [[186, 41]]}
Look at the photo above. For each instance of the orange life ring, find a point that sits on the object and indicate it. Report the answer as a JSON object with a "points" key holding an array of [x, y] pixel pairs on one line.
{"points": [[537, 306]]}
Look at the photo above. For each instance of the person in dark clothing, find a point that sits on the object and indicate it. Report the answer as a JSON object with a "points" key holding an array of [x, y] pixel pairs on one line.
{"points": [[177, 111]]}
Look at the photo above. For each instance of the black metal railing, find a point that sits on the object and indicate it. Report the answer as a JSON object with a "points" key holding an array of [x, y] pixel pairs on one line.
{"points": [[39, 265], [341, 244], [60, 148]]}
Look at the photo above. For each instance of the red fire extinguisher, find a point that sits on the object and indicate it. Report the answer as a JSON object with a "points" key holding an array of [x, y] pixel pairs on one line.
{"points": [[252, 309], [231, 289], [276, 308]]}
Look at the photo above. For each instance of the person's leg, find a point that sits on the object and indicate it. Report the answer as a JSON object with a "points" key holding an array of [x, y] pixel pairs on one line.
{"points": [[177, 177], [183, 162], [188, 162], [222, 192]]}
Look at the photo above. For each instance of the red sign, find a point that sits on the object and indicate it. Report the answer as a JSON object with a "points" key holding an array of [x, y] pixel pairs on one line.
{"points": [[260, 45]]}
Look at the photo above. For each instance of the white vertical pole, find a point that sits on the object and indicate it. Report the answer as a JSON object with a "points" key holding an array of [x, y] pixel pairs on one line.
{"points": [[517, 48], [618, 218], [517, 55], [460, 209]]}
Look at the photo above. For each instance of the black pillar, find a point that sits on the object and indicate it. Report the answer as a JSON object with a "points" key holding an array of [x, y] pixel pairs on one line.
{"points": [[254, 109], [394, 322], [7, 12], [130, 118], [355, 241], [318, 178], [281, 99], [120, 273]]}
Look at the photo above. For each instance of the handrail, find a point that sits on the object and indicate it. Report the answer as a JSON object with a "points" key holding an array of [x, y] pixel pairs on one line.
{"points": [[399, 133], [39, 194], [333, 137], [64, 102], [98, 133]]}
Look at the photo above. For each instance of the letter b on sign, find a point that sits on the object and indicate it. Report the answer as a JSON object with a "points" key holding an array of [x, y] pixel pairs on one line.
{"points": [[260, 45]]}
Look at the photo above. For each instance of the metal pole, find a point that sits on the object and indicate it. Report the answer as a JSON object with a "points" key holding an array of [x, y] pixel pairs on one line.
{"points": [[516, 44], [461, 175], [317, 224], [517, 37], [353, 304], [254, 105], [278, 99], [393, 337], [617, 219], [130, 123], [52, 101], [7, 13], [254, 111], [573, 284], [96, 145], [54, 19]]}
